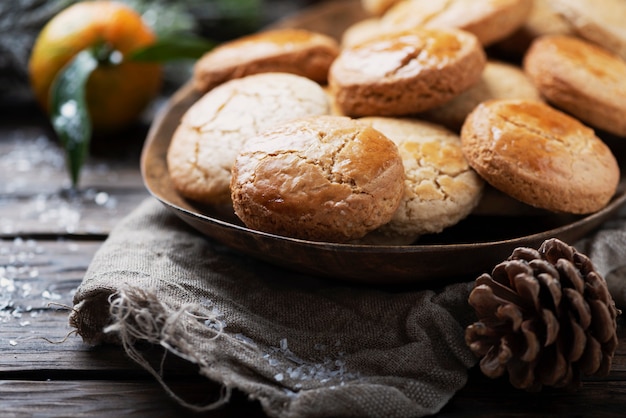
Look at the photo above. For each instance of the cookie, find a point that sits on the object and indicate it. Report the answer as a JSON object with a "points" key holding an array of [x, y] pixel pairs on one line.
{"points": [[325, 178], [489, 20], [580, 78], [296, 51], [377, 7], [212, 131], [542, 20], [499, 80], [405, 72], [363, 30], [601, 22], [540, 156], [440, 187]]}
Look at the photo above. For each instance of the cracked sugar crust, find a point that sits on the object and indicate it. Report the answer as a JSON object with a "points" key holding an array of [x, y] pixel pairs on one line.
{"points": [[213, 130], [580, 78], [405, 72], [296, 51], [440, 188], [540, 156], [489, 20], [325, 178]]}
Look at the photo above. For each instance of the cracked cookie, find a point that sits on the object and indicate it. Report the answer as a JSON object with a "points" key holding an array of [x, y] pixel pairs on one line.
{"points": [[542, 20], [324, 178], [540, 156], [405, 72], [377, 7], [499, 80], [213, 130], [489, 20], [296, 51], [440, 187], [601, 22], [580, 78]]}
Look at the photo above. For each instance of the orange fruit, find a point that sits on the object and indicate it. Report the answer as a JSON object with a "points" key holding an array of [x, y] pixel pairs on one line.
{"points": [[116, 94]]}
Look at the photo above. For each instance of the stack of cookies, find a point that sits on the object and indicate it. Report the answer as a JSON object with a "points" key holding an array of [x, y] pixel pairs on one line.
{"points": [[409, 122]]}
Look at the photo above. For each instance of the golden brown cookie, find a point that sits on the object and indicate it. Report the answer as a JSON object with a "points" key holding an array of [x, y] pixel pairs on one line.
{"points": [[499, 80], [377, 7], [489, 20], [543, 20], [325, 178], [405, 72], [580, 78], [602, 22], [213, 130], [363, 30], [540, 156], [296, 51], [440, 187]]}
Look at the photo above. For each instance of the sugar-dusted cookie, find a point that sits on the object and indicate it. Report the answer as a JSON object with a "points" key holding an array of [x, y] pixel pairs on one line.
{"points": [[489, 20], [601, 22], [440, 187], [499, 80], [405, 72], [213, 130], [540, 156], [325, 178], [581, 78], [295, 51]]}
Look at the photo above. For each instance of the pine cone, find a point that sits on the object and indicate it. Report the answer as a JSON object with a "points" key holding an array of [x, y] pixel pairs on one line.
{"points": [[546, 317]]}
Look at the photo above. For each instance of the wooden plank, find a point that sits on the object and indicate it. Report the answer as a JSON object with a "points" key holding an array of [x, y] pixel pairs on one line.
{"points": [[46, 345], [94, 212], [34, 196], [34, 357], [146, 398], [485, 398], [34, 273], [106, 398], [31, 162]]}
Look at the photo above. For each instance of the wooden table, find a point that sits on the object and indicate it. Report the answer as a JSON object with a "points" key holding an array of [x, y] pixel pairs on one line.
{"points": [[47, 239]]}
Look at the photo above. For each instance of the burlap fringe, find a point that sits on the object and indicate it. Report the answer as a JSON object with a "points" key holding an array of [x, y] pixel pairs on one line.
{"points": [[139, 316]]}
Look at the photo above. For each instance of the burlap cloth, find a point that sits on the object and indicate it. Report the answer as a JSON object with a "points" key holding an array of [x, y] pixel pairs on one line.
{"points": [[302, 346]]}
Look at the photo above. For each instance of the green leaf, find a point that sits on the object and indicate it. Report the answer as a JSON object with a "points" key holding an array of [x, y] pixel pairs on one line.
{"points": [[173, 47], [69, 114]]}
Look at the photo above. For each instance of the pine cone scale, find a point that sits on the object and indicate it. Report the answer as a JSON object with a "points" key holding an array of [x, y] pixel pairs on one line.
{"points": [[528, 288], [592, 357], [510, 313], [600, 316], [551, 286], [533, 345], [553, 368], [579, 341], [493, 364], [569, 271], [551, 325], [578, 306]]}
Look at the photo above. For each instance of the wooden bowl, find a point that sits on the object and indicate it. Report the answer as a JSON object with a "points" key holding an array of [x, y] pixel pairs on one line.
{"points": [[460, 253]]}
